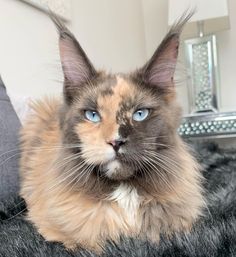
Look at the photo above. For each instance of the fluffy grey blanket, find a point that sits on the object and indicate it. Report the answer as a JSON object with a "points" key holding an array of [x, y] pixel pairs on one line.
{"points": [[214, 235]]}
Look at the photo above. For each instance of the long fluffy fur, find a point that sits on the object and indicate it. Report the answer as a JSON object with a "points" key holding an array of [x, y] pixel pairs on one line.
{"points": [[75, 218], [214, 235], [79, 187]]}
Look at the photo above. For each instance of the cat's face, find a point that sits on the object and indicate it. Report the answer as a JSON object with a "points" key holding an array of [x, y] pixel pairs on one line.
{"points": [[119, 121]]}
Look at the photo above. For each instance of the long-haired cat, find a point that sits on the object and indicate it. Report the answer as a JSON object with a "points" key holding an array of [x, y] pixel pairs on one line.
{"points": [[106, 159]]}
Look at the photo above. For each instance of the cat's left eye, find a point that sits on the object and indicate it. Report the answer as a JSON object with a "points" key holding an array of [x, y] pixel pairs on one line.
{"points": [[92, 116], [141, 114]]}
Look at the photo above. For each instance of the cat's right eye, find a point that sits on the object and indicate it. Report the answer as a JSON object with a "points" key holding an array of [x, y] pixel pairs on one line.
{"points": [[92, 116]]}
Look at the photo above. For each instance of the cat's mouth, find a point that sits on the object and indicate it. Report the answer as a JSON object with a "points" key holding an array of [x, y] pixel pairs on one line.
{"points": [[116, 169]]}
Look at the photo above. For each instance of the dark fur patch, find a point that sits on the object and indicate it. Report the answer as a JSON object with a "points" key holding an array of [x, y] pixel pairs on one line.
{"points": [[107, 85]]}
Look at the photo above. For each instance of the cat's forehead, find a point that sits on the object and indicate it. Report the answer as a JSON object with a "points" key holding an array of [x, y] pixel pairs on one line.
{"points": [[116, 97], [117, 94]]}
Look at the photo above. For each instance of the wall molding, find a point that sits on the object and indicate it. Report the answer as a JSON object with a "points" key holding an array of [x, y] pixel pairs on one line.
{"points": [[60, 7]]}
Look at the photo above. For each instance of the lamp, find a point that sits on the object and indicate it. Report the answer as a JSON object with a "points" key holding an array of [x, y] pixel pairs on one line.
{"points": [[201, 51]]}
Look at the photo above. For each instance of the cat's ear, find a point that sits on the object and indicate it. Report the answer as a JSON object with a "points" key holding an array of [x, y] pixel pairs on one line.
{"points": [[76, 66], [160, 69]]}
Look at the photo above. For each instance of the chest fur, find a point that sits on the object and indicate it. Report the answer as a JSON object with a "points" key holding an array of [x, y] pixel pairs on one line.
{"points": [[89, 220], [128, 200]]}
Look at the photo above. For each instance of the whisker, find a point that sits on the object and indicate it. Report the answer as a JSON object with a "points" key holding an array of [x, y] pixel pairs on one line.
{"points": [[80, 175], [155, 169], [157, 154], [68, 173], [17, 214], [30, 150], [166, 168], [88, 170]]}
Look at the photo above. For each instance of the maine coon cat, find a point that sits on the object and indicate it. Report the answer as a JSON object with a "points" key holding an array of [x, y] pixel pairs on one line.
{"points": [[106, 159]]}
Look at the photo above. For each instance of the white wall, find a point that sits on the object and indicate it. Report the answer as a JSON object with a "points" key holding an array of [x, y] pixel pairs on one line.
{"points": [[110, 31], [227, 60], [28, 50]]}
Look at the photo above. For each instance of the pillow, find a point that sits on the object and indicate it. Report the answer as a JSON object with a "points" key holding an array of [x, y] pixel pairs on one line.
{"points": [[9, 148]]}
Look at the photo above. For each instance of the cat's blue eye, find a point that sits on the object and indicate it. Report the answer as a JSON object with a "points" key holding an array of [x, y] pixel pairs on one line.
{"points": [[141, 114], [92, 116]]}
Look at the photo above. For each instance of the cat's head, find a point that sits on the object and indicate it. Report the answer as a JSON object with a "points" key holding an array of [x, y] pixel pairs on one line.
{"points": [[120, 121]]}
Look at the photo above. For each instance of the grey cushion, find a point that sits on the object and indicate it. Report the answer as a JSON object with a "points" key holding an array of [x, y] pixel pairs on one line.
{"points": [[9, 149]]}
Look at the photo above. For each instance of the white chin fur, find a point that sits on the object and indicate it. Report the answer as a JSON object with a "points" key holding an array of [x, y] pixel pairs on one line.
{"points": [[110, 154], [112, 168]]}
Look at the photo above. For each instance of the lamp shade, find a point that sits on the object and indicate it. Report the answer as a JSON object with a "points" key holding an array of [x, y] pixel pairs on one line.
{"points": [[214, 14]]}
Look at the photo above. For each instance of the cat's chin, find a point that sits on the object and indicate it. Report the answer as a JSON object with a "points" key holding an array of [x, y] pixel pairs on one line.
{"points": [[117, 170]]}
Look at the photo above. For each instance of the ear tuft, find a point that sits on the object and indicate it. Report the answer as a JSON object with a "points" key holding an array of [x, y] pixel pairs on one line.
{"points": [[160, 69], [77, 68], [61, 28]]}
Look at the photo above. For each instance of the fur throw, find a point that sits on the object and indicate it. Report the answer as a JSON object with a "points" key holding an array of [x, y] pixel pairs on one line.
{"points": [[214, 234]]}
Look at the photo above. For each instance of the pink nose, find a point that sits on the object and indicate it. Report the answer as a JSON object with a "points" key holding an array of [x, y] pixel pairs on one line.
{"points": [[116, 144]]}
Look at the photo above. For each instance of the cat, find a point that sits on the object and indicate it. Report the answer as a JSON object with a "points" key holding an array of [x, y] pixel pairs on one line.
{"points": [[106, 160]]}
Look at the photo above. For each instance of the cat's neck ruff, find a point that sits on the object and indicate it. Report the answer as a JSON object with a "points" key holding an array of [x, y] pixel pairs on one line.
{"points": [[127, 198]]}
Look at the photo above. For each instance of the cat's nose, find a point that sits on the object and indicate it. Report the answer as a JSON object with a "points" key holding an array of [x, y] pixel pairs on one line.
{"points": [[116, 144]]}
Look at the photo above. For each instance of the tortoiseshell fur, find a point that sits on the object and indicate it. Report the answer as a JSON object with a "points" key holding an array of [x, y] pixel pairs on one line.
{"points": [[78, 189]]}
